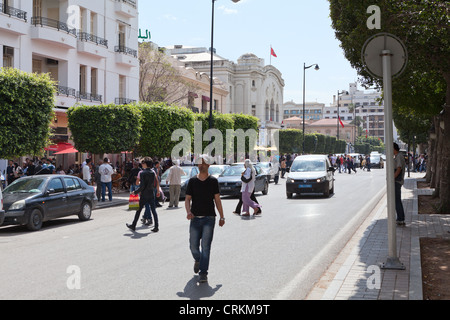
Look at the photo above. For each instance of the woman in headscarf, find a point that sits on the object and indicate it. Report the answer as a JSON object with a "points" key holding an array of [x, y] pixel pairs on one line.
{"points": [[248, 185]]}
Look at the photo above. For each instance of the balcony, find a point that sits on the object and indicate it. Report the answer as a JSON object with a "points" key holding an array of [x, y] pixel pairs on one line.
{"points": [[126, 8], [124, 101], [16, 21], [91, 44], [54, 31], [65, 97], [126, 56], [84, 96]]}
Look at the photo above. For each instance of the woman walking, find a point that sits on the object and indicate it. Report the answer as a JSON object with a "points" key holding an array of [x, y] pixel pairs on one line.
{"points": [[248, 185]]}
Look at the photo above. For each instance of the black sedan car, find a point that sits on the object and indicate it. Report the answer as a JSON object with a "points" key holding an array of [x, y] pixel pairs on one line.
{"points": [[230, 183], [33, 200], [2, 212]]}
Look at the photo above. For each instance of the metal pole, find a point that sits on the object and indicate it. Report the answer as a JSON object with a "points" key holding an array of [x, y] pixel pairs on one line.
{"points": [[211, 100], [392, 261], [304, 89]]}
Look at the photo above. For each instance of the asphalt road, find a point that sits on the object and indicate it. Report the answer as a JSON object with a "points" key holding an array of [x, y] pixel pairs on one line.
{"points": [[278, 255]]}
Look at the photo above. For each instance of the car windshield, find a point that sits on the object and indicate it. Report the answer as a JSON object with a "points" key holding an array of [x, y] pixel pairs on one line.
{"points": [[186, 175], [216, 170], [35, 185], [308, 166], [263, 165], [233, 171]]}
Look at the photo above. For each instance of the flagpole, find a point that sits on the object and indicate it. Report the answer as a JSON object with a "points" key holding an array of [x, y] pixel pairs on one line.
{"points": [[270, 54]]}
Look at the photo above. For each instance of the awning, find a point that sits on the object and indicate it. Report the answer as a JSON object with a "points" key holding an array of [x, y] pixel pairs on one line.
{"points": [[205, 98], [59, 147], [67, 151]]}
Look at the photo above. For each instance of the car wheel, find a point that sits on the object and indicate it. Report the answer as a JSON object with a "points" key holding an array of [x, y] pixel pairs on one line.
{"points": [[326, 194], [86, 211], [289, 195], [266, 189], [35, 221]]}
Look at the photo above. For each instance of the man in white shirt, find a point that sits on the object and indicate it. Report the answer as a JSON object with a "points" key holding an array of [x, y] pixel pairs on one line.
{"points": [[87, 172], [106, 172], [174, 180]]}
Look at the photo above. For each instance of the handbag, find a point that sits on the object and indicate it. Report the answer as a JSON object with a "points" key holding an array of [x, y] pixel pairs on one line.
{"points": [[133, 202], [244, 179]]}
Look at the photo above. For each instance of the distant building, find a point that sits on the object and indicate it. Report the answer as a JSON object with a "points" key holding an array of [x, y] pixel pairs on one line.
{"points": [[254, 88]]}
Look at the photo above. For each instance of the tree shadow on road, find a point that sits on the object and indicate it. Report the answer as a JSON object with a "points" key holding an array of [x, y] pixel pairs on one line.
{"points": [[196, 291]]}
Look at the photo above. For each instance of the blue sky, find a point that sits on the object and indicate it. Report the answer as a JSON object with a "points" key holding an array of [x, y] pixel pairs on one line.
{"points": [[298, 30]]}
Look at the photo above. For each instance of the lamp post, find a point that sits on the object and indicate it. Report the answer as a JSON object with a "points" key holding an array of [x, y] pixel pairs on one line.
{"points": [[211, 100], [304, 89]]}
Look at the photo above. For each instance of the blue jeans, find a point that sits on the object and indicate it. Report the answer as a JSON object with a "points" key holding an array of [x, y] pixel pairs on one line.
{"points": [[398, 202], [202, 230], [109, 185]]}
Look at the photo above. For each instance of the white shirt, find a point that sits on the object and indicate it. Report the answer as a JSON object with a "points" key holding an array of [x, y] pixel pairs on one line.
{"points": [[106, 171], [251, 185], [86, 173], [175, 175]]}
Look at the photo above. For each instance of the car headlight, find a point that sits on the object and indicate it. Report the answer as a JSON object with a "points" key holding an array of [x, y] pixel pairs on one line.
{"points": [[289, 180], [322, 179], [19, 205]]}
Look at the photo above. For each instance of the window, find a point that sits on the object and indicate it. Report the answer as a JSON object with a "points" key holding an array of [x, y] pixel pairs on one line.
{"points": [[56, 184], [122, 87], [8, 57], [94, 74], [72, 184], [83, 79]]}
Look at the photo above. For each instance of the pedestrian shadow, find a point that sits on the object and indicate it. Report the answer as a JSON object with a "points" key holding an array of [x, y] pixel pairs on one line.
{"points": [[136, 234], [196, 291]]}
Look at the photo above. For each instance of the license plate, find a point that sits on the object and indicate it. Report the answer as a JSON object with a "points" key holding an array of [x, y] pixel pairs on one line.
{"points": [[305, 186], [226, 188]]}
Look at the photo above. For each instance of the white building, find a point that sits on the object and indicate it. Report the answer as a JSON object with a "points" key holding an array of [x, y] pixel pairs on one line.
{"points": [[254, 88], [368, 105], [88, 47], [313, 110]]}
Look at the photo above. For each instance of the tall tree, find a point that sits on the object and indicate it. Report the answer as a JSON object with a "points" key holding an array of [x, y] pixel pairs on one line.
{"points": [[160, 81], [423, 27]]}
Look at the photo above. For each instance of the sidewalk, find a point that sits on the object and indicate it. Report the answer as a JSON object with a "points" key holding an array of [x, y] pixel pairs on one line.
{"points": [[118, 199], [356, 272]]}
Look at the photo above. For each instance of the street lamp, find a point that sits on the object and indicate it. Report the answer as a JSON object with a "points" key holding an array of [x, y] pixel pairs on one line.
{"points": [[304, 89], [211, 100]]}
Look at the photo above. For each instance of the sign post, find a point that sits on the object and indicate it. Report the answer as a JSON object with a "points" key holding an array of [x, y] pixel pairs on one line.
{"points": [[386, 57]]}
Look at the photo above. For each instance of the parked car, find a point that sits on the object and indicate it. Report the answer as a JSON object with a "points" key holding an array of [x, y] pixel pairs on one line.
{"points": [[189, 172], [216, 169], [230, 183], [33, 200], [2, 212], [310, 174], [269, 169]]}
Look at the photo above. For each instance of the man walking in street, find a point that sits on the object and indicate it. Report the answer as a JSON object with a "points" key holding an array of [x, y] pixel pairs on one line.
{"points": [[106, 172], [399, 175], [146, 189], [202, 196], [174, 181]]}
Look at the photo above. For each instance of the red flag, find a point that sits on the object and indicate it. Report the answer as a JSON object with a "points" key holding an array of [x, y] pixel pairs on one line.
{"points": [[273, 53], [340, 121]]}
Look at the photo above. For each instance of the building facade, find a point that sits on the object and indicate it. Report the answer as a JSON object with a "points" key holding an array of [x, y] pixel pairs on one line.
{"points": [[89, 48], [313, 110], [254, 88], [367, 105]]}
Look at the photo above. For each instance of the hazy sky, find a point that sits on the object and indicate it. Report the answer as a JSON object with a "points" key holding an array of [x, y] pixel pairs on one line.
{"points": [[298, 30]]}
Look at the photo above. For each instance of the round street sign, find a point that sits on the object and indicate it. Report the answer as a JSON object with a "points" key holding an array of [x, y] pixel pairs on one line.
{"points": [[372, 54]]}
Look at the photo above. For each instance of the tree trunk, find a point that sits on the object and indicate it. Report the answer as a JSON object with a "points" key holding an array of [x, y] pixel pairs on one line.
{"points": [[444, 191]]}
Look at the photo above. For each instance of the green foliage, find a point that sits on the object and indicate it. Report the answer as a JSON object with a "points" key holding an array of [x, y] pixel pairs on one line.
{"points": [[105, 128], [26, 109], [159, 121], [221, 122], [290, 140]]}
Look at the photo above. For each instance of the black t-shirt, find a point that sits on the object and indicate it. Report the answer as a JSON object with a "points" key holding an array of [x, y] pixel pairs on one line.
{"points": [[202, 193]]}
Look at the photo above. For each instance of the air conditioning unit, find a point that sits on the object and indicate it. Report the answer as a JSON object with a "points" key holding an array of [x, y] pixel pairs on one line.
{"points": [[52, 62]]}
